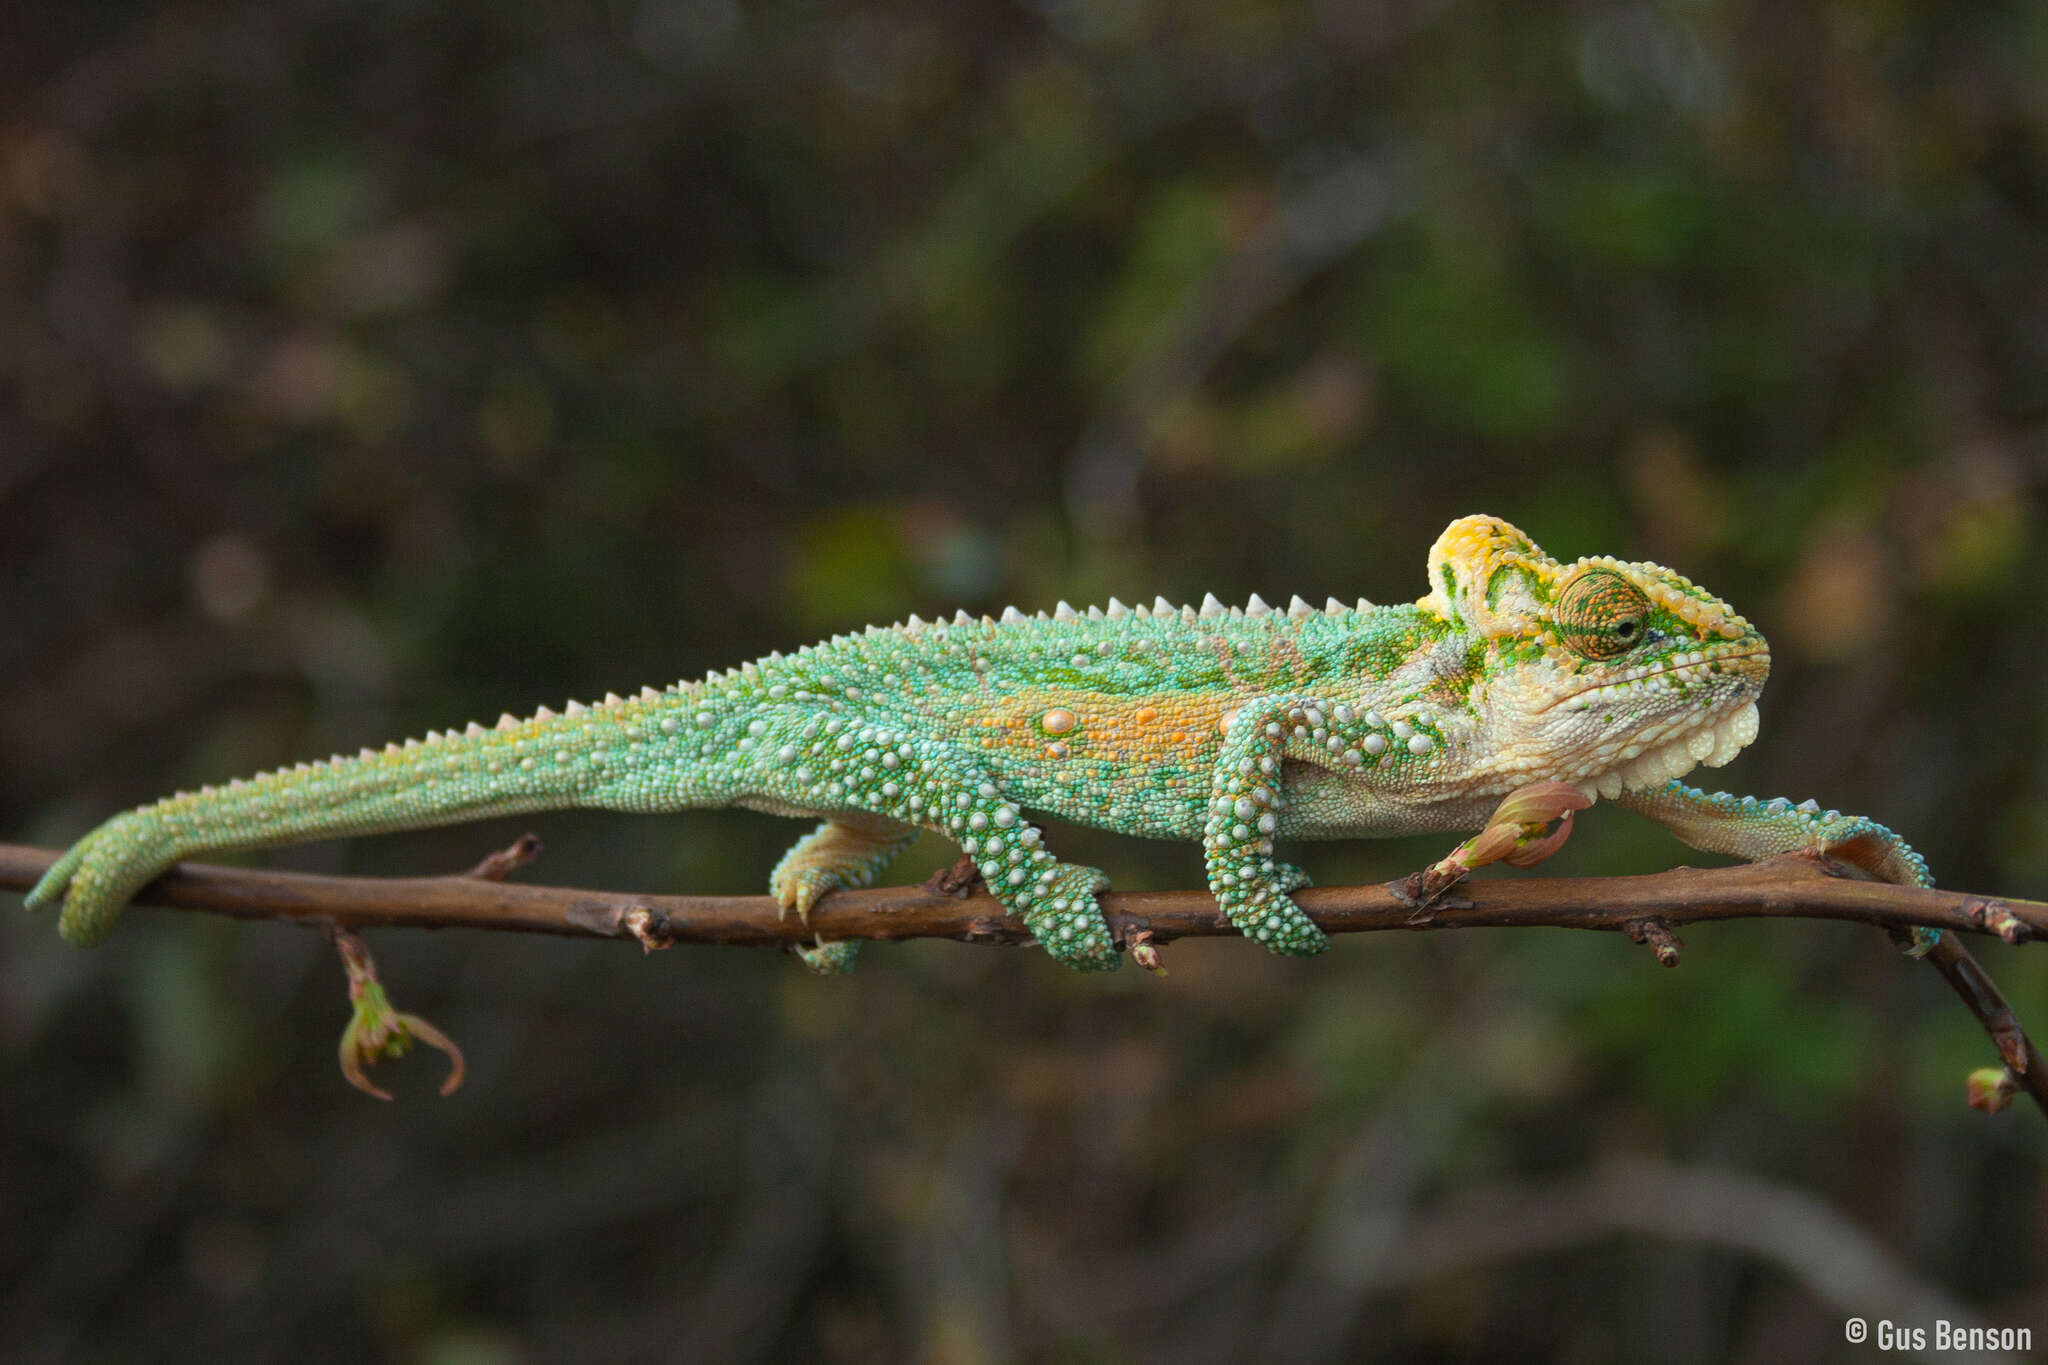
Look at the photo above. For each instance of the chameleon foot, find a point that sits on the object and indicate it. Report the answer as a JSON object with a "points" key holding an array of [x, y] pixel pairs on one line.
{"points": [[1753, 829], [1253, 890], [829, 959], [839, 853], [1067, 920]]}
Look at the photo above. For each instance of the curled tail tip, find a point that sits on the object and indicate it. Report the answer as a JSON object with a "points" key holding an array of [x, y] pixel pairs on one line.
{"points": [[51, 886], [87, 915]]}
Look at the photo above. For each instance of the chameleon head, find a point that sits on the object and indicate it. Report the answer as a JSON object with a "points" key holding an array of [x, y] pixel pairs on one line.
{"points": [[1611, 675]]}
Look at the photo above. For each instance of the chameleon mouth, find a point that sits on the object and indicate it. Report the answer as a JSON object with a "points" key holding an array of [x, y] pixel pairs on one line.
{"points": [[1699, 666]]}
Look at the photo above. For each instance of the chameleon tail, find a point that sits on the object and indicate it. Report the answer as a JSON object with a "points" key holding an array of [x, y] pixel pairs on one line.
{"points": [[547, 762]]}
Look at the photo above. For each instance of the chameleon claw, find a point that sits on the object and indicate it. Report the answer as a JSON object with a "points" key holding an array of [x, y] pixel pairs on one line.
{"points": [[377, 1032], [1145, 952]]}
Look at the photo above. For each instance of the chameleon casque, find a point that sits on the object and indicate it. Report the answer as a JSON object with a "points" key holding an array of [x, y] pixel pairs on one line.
{"points": [[1238, 727]]}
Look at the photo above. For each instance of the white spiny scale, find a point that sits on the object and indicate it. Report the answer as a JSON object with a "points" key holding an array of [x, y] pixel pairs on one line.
{"points": [[412, 744], [1210, 606], [1364, 605], [1297, 609], [543, 714], [1162, 607], [1117, 610], [649, 694], [302, 767], [392, 750], [574, 708], [206, 790], [1063, 612], [234, 784], [1142, 612], [913, 622], [1011, 614], [613, 699], [1095, 613], [473, 730], [1335, 608], [1256, 606], [366, 752], [961, 618], [433, 736]]}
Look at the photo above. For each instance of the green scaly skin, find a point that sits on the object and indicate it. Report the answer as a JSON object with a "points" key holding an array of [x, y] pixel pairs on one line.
{"points": [[1234, 726]]}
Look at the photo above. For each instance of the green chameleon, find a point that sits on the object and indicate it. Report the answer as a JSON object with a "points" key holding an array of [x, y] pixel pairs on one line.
{"points": [[1238, 726]]}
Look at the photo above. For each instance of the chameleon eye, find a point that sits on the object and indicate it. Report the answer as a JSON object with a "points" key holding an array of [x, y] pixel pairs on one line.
{"points": [[1601, 615]]}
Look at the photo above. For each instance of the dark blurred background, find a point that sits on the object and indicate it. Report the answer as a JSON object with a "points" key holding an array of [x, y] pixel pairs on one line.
{"points": [[372, 367]]}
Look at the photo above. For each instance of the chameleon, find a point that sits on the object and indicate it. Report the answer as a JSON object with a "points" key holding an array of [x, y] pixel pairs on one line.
{"points": [[1238, 727]]}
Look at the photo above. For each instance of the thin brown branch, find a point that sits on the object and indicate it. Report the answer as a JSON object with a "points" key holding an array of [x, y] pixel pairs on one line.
{"points": [[1794, 886], [1962, 971], [1797, 885]]}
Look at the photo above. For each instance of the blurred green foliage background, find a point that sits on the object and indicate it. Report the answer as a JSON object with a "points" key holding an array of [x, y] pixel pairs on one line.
{"points": [[366, 368]]}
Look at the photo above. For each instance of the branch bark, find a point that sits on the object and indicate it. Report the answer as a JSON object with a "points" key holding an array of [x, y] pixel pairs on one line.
{"points": [[1791, 886]]}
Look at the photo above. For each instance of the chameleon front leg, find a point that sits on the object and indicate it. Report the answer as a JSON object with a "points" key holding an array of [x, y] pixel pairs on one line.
{"points": [[1753, 829], [845, 851], [1246, 800]]}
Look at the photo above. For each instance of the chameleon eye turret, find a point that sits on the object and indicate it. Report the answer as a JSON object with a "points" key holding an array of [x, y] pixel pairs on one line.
{"points": [[1601, 614]]}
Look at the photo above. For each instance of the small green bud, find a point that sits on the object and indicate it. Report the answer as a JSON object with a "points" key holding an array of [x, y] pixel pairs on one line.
{"points": [[1992, 1088]]}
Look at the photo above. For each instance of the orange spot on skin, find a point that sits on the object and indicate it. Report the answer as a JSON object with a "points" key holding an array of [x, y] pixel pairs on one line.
{"points": [[1143, 731]]}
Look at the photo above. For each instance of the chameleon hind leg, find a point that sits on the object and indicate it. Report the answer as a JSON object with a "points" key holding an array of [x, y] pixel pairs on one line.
{"points": [[847, 850], [1753, 829], [864, 770], [951, 793]]}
